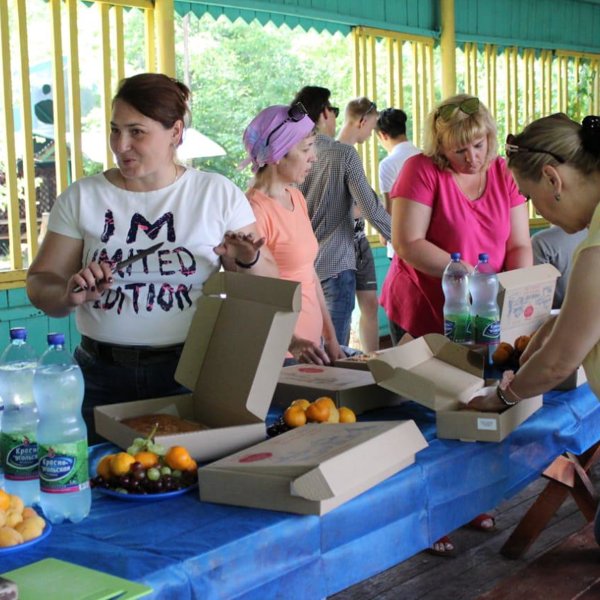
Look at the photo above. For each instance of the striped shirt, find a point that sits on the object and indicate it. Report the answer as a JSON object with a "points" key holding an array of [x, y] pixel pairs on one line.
{"points": [[336, 180]]}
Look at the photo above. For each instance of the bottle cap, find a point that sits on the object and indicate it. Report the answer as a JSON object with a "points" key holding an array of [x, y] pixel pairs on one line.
{"points": [[455, 256], [483, 257], [56, 339], [18, 333]]}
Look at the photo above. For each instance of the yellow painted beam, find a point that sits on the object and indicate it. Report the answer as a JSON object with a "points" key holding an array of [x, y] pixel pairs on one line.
{"points": [[27, 136], [107, 91], [74, 92], [119, 42], [448, 48], [165, 35], [147, 4], [150, 42], [10, 159]]}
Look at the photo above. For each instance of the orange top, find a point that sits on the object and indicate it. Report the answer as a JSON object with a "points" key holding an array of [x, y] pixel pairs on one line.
{"points": [[290, 238]]}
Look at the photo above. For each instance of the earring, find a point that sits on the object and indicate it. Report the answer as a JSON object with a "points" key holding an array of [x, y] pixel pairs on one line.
{"points": [[557, 197]]}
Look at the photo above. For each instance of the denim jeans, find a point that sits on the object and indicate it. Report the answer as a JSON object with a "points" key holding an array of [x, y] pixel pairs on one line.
{"points": [[108, 383], [339, 292]]}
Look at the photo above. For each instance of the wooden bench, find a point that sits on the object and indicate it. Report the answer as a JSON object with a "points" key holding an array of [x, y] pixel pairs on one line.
{"points": [[569, 571]]}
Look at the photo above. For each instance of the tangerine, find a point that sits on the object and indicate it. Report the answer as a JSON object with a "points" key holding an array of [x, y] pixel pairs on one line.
{"points": [[4, 500], [148, 459], [121, 463], [347, 415], [334, 415], [178, 457], [294, 416], [318, 411], [303, 403], [328, 401], [103, 469]]}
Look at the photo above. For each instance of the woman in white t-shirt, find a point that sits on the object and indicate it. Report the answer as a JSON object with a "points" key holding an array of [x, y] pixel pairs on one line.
{"points": [[134, 321]]}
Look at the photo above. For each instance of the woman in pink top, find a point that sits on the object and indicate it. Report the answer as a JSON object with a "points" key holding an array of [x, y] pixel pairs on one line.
{"points": [[280, 145], [457, 196]]}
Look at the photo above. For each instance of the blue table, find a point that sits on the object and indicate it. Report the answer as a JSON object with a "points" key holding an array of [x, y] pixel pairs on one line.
{"points": [[184, 548]]}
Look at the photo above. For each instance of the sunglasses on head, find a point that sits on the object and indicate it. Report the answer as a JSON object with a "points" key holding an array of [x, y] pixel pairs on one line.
{"points": [[511, 149], [334, 109], [371, 108], [469, 106], [296, 113]]}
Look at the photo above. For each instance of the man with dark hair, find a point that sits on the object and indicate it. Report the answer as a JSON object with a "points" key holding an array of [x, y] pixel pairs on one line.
{"points": [[336, 180]]}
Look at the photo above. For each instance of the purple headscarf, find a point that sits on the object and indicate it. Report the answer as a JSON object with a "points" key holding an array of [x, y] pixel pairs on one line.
{"points": [[281, 141]]}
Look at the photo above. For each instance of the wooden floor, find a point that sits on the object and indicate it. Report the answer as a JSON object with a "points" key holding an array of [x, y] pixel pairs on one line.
{"points": [[479, 566]]}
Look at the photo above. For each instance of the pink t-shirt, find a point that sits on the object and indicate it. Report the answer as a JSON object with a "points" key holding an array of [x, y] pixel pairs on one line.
{"points": [[290, 238], [413, 299]]}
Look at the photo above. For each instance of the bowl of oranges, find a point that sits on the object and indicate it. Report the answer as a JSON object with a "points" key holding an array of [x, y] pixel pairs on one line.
{"points": [[20, 526]]}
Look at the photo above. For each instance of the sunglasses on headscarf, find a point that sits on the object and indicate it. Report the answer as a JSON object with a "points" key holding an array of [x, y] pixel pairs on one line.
{"points": [[296, 113], [511, 149], [372, 107], [469, 106]]}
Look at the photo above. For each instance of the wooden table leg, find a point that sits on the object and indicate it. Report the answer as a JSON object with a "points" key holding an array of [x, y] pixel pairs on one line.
{"points": [[568, 474]]}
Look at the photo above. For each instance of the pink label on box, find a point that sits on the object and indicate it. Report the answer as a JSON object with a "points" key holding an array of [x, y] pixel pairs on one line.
{"points": [[255, 457]]}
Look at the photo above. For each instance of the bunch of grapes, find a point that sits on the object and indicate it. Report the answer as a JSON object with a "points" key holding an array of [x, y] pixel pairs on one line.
{"points": [[146, 445], [277, 428], [155, 480]]}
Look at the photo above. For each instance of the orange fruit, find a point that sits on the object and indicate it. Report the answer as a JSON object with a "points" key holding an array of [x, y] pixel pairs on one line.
{"points": [[103, 467], [334, 415], [347, 415], [193, 465], [120, 463], [178, 457], [303, 403], [294, 416], [327, 400], [318, 411], [4, 500], [148, 459]]}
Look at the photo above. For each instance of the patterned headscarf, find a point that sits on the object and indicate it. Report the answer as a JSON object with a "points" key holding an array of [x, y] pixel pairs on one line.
{"points": [[273, 124]]}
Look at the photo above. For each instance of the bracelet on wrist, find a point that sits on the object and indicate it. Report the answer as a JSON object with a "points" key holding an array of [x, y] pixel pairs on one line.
{"points": [[509, 389], [502, 397], [249, 265]]}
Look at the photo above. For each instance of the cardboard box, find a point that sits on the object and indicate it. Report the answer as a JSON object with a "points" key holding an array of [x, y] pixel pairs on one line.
{"points": [[360, 361], [353, 388], [574, 380], [312, 469], [231, 360], [525, 299], [444, 376]]}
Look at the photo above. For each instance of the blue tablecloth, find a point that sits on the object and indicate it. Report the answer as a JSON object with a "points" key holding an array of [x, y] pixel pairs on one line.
{"points": [[185, 548]]}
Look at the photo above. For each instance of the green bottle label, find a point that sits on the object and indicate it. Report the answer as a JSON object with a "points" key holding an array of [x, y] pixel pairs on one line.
{"points": [[64, 467], [458, 328], [487, 330], [19, 456]]}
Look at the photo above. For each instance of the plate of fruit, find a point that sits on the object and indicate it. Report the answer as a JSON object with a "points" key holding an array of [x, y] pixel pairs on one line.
{"points": [[20, 526], [146, 472]]}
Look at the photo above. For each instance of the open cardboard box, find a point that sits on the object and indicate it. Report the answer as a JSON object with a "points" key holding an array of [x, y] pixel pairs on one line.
{"points": [[525, 299], [312, 469], [360, 361], [444, 376], [231, 369], [353, 388]]}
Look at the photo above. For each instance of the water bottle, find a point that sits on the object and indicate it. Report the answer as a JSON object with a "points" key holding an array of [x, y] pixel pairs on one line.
{"points": [[18, 448], [485, 310], [58, 388], [457, 313]]}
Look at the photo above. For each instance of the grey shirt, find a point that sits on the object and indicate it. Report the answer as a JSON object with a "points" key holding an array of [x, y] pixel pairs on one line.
{"points": [[556, 247], [336, 180]]}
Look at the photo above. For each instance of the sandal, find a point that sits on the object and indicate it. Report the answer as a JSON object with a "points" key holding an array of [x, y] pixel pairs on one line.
{"points": [[480, 523], [449, 550]]}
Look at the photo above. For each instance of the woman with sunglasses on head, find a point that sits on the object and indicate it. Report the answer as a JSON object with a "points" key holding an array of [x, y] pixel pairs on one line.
{"points": [[556, 162], [457, 196], [134, 319], [280, 145]]}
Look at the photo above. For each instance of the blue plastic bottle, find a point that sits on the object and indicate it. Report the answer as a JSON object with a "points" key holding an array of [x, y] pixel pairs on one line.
{"points": [[457, 313], [18, 448], [484, 309], [58, 388]]}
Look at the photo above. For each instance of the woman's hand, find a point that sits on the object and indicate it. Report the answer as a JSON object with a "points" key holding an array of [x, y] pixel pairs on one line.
{"points": [[488, 403], [334, 350], [239, 246], [306, 351], [89, 283]]}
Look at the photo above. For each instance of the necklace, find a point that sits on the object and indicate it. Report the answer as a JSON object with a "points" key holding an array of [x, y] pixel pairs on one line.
{"points": [[177, 175], [465, 189]]}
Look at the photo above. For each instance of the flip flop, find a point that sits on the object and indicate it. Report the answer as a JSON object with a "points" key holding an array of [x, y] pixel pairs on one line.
{"points": [[443, 553], [477, 523]]}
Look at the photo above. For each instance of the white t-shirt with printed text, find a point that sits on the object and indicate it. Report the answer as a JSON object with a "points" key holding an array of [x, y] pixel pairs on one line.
{"points": [[152, 301]]}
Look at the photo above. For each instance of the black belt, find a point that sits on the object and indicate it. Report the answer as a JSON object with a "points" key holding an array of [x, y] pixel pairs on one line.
{"points": [[130, 356]]}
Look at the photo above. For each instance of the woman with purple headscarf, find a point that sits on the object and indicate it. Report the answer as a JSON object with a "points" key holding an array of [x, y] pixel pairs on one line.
{"points": [[280, 146]]}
